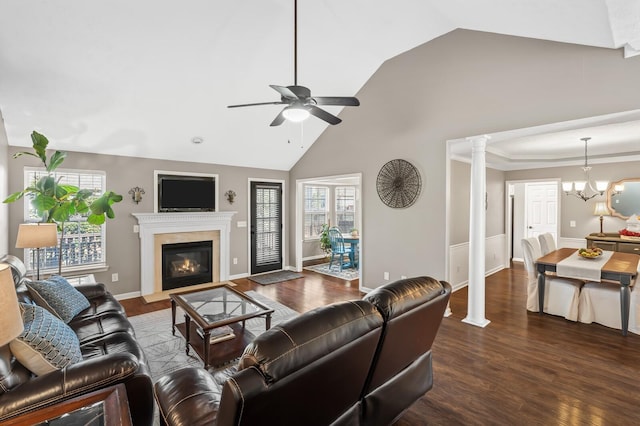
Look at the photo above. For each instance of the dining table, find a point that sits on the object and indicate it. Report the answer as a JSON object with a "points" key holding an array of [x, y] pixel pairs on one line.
{"points": [[353, 240], [620, 268]]}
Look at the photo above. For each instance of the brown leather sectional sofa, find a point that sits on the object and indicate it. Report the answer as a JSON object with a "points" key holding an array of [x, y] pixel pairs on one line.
{"points": [[110, 354], [361, 362]]}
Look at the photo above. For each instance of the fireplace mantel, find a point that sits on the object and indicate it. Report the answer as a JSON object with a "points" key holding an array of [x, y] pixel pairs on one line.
{"points": [[167, 223]]}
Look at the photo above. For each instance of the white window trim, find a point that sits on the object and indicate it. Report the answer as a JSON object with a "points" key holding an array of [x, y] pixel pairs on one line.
{"points": [[89, 267], [329, 204]]}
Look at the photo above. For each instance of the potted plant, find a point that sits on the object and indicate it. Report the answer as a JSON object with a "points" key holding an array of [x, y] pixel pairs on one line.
{"points": [[325, 242], [57, 203], [354, 232]]}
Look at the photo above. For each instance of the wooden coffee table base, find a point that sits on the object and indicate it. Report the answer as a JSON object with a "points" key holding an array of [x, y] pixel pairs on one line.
{"points": [[219, 353]]}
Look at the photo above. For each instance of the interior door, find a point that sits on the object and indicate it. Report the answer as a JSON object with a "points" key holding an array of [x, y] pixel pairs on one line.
{"points": [[266, 227], [542, 209]]}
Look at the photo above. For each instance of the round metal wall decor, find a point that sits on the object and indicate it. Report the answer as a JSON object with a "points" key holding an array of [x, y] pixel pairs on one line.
{"points": [[398, 184]]}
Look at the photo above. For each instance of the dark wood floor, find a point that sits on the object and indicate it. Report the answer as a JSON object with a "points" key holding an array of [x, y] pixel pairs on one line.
{"points": [[522, 369]]}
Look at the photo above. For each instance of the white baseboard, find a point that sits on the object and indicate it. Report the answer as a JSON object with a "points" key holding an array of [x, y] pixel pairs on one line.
{"points": [[238, 276], [316, 257], [131, 295]]}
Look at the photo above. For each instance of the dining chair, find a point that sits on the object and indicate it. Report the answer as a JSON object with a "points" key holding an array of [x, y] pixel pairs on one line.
{"points": [[561, 295], [547, 243], [600, 303], [338, 248]]}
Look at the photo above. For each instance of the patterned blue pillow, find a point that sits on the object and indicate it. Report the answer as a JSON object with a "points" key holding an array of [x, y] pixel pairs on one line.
{"points": [[46, 344], [58, 297]]}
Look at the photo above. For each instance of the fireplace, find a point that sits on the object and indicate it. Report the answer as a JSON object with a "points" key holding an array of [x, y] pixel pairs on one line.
{"points": [[158, 229], [185, 264]]}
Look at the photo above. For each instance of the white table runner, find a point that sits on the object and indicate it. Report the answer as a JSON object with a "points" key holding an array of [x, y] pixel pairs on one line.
{"points": [[576, 266]]}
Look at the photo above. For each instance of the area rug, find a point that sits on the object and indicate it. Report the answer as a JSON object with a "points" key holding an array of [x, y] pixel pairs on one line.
{"points": [[348, 274], [165, 352], [275, 277]]}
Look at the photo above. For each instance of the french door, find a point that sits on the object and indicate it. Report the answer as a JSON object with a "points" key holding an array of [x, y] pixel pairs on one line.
{"points": [[266, 227]]}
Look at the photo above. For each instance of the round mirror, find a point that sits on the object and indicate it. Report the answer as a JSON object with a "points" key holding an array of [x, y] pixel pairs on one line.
{"points": [[626, 202]]}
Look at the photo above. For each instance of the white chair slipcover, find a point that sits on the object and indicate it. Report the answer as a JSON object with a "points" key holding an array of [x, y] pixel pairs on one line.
{"points": [[547, 243], [600, 303], [561, 295]]}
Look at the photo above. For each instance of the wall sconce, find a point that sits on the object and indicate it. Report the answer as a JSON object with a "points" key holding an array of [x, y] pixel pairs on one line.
{"points": [[231, 196], [136, 194]]}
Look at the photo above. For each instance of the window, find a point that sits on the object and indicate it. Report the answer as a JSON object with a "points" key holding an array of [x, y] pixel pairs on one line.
{"points": [[316, 210], [346, 208], [83, 244]]}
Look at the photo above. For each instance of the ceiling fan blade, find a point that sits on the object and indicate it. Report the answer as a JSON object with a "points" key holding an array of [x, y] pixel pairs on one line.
{"points": [[300, 91], [323, 115], [278, 120], [284, 91], [259, 103], [337, 100]]}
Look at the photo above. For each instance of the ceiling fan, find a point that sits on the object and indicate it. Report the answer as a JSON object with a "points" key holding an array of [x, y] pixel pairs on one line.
{"points": [[300, 103]]}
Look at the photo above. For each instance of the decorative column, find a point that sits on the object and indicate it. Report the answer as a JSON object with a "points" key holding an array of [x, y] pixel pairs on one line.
{"points": [[477, 231]]}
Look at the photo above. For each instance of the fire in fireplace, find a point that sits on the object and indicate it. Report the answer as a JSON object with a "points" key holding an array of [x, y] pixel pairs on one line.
{"points": [[185, 264]]}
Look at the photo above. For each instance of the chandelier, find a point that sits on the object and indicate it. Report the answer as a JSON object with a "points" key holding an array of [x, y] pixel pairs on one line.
{"points": [[580, 188]]}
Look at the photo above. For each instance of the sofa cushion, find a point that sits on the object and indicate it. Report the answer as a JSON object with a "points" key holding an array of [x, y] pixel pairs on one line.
{"points": [[47, 343], [91, 328], [58, 297]]}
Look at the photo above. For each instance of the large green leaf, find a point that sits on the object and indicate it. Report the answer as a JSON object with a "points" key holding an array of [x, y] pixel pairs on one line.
{"points": [[62, 212], [40, 143], [81, 206], [21, 153], [56, 159], [46, 185], [14, 197], [43, 203], [83, 194], [96, 219]]}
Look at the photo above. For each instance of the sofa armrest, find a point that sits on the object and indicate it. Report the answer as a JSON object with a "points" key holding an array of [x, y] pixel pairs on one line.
{"points": [[92, 290], [187, 396], [83, 377]]}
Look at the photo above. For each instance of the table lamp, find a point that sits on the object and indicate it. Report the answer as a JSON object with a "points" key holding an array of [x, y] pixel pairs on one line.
{"points": [[10, 316], [601, 210], [37, 235]]}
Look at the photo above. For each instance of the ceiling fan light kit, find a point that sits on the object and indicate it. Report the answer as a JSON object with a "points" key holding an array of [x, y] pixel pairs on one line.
{"points": [[295, 113], [300, 103]]}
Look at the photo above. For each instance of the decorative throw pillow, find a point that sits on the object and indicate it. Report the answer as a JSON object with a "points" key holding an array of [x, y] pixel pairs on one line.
{"points": [[46, 344], [58, 297]]}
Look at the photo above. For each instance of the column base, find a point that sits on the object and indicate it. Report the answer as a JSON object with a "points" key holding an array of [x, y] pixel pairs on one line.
{"points": [[481, 323]]}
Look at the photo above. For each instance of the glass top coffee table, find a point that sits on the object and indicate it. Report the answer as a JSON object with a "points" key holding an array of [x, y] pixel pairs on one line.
{"points": [[214, 322]]}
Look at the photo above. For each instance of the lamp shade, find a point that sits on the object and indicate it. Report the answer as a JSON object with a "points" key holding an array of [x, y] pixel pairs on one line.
{"points": [[601, 209], [10, 316], [37, 235]]}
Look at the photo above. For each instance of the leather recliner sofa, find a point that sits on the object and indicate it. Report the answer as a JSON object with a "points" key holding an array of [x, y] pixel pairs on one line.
{"points": [[110, 353], [360, 362]]}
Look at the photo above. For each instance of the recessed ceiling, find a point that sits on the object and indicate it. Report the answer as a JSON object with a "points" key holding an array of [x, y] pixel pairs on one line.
{"points": [[141, 78], [614, 138]]}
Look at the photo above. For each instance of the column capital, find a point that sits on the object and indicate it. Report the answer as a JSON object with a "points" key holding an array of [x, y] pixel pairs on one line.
{"points": [[479, 141]]}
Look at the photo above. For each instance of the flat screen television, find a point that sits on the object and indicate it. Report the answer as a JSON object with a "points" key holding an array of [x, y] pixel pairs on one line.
{"points": [[178, 193]]}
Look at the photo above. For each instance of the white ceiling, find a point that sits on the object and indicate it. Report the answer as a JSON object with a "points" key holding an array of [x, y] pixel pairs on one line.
{"points": [[142, 78]]}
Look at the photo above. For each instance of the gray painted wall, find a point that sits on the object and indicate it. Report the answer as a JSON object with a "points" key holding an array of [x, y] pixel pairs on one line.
{"points": [[4, 185], [572, 208], [460, 198], [123, 173], [462, 84]]}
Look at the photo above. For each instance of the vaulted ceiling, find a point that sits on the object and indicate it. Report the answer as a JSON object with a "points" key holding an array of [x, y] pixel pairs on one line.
{"points": [[144, 78]]}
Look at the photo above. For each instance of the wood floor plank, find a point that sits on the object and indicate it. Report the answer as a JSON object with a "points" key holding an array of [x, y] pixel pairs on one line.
{"points": [[522, 369]]}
